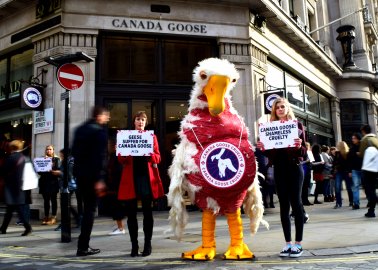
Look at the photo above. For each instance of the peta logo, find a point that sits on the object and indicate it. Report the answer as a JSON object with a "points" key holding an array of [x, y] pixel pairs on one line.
{"points": [[32, 97], [222, 164]]}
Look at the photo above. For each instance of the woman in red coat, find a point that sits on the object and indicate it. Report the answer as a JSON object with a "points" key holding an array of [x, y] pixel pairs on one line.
{"points": [[140, 180]]}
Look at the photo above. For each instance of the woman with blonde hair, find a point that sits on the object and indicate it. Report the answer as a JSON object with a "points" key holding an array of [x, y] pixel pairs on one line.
{"points": [[15, 197], [288, 176], [49, 187], [342, 173]]}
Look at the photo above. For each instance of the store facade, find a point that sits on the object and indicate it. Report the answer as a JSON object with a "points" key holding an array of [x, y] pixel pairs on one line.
{"points": [[144, 55]]}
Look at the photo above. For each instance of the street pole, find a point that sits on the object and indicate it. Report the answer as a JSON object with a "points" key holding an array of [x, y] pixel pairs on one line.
{"points": [[65, 194]]}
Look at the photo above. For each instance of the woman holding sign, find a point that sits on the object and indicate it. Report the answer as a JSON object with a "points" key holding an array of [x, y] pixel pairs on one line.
{"points": [[140, 180], [288, 175], [49, 186]]}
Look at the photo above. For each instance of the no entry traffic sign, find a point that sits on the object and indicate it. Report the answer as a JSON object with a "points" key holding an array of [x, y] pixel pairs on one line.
{"points": [[70, 76]]}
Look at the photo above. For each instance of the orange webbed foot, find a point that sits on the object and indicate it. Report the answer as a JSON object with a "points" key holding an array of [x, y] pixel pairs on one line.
{"points": [[200, 254]]}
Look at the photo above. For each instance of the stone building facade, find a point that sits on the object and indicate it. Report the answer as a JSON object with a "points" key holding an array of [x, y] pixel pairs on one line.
{"points": [[144, 52]]}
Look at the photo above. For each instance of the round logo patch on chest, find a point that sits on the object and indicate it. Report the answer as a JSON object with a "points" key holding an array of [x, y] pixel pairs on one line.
{"points": [[222, 164]]}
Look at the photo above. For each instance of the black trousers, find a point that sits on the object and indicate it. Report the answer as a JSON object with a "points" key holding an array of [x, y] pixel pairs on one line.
{"points": [[21, 214], [47, 198], [370, 184], [89, 209], [289, 181], [131, 207]]}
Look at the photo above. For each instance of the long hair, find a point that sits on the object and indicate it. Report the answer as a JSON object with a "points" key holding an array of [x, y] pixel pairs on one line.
{"points": [[343, 149], [290, 113]]}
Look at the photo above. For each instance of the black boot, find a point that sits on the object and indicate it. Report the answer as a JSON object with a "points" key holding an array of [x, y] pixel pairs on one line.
{"points": [[132, 223], [148, 225], [134, 249], [147, 249]]}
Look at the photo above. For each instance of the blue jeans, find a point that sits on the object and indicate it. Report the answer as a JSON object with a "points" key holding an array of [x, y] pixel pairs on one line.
{"points": [[356, 182], [340, 176]]}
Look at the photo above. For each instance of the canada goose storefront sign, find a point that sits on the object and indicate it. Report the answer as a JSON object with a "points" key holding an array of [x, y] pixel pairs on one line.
{"points": [[31, 98], [222, 164]]}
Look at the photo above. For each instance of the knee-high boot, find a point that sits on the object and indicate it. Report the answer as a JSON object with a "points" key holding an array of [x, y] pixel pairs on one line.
{"points": [[148, 225], [133, 232]]}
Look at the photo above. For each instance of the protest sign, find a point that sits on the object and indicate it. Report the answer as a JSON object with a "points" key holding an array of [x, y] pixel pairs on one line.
{"points": [[43, 164], [277, 134], [135, 142]]}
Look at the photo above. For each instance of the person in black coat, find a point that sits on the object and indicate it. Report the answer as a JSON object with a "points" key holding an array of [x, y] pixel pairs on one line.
{"points": [[89, 151], [15, 197], [49, 187]]}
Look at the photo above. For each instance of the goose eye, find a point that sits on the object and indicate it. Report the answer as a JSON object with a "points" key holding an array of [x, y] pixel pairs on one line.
{"points": [[233, 80], [203, 75]]}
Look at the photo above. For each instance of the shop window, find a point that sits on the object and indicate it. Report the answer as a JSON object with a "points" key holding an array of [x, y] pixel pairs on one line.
{"points": [[3, 78], [129, 59], [21, 69], [294, 91], [353, 112], [311, 100], [274, 77], [324, 105], [181, 57], [152, 59]]}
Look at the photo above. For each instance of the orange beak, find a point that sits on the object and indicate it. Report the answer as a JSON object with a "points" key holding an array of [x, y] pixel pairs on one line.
{"points": [[215, 91]]}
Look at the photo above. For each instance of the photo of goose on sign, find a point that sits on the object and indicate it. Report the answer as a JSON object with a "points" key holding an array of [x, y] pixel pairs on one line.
{"points": [[278, 134], [135, 142]]}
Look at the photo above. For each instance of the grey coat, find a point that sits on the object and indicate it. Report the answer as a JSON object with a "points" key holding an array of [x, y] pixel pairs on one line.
{"points": [[12, 172]]}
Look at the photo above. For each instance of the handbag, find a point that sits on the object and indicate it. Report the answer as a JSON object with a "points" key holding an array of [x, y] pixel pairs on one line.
{"points": [[370, 159], [29, 177]]}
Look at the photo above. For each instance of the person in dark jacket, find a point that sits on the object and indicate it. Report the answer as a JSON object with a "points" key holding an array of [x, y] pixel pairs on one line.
{"points": [[288, 176], [49, 187], [355, 164], [15, 197], [89, 151]]}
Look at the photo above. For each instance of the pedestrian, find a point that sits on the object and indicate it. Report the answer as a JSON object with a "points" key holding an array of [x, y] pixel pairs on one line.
{"points": [[49, 187], [369, 176], [89, 151], [15, 197], [307, 167], [332, 154], [355, 164], [266, 180], [341, 173], [327, 172], [112, 183], [72, 188], [288, 176], [140, 181], [317, 167]]}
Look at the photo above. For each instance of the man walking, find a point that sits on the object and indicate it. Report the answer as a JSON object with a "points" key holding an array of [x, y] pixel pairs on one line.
{"points": [[89, 152], [369, 175]]}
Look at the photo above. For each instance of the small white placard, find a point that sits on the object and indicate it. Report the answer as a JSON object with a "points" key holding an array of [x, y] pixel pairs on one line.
{"points": [[278, 134], [43, 164], [135, 142], [43, 121]]}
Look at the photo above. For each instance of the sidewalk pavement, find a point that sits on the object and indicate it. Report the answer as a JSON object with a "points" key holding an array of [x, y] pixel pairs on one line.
{"points": [[329, 232]]}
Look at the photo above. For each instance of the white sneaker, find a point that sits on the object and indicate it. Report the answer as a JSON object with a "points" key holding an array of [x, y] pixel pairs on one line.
{"points": [[117, 231]]}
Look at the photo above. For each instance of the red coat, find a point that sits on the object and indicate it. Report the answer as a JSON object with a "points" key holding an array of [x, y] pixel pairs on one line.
{"points": [[126, 189]]}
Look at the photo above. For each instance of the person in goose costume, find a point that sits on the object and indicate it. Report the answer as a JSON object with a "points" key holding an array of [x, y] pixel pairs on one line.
{"points": [[214, 164]]}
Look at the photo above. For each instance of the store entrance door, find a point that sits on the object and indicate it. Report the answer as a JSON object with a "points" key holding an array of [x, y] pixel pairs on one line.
{"points": [[164, 117]]}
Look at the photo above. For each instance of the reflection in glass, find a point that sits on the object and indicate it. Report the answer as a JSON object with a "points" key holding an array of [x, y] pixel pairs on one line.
{"points": [[311, 97], [325, 111], [294, 91], [275, 77]]}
